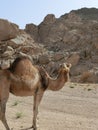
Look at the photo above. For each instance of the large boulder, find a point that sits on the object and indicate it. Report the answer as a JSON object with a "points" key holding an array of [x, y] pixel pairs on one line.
{"points": [[7, 30], [89, 76]]}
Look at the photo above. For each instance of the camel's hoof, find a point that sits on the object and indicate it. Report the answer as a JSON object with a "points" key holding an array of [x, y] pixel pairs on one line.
{"points": [[33, 128], [28, 128]]}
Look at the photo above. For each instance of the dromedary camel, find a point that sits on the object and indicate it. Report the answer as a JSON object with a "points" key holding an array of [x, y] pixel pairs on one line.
{"points": [[24, 79]]}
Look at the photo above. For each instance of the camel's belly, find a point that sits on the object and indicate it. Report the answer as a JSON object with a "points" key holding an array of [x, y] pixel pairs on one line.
{"points": [[22, 93], [22, 89]]}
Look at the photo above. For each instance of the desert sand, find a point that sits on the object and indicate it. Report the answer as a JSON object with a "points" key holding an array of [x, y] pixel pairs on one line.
{"points": [[75, 107]]}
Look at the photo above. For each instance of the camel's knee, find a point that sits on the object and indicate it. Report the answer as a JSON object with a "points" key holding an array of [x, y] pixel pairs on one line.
{"points": [[0, 112], [2, 109], [2, 116]]}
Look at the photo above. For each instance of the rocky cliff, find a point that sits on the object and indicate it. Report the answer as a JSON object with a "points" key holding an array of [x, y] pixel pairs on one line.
{"points": [[71, 38]]}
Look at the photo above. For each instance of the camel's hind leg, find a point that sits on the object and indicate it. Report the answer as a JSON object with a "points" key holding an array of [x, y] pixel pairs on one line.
{"points": [[2, 114]]}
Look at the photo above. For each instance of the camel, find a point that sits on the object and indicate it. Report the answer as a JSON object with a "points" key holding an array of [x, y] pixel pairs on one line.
{"points": [[25, 79]]}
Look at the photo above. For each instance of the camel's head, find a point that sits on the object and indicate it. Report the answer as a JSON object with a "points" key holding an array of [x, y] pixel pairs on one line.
{"points": [[65, 70], [65, 67]]}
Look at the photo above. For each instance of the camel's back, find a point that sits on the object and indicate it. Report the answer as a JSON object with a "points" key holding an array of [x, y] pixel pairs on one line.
{"points": [[23, 67]]}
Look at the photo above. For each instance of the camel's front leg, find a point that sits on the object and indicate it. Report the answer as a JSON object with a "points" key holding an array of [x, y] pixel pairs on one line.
{"points": [[37, 99], [2, 114]]}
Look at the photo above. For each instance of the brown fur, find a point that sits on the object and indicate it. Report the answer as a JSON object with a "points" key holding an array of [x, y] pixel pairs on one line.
{"points": [[25, 79]]}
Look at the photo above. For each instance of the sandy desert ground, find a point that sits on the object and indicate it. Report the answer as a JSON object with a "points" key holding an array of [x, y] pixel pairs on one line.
{"points": [[75, 107]]}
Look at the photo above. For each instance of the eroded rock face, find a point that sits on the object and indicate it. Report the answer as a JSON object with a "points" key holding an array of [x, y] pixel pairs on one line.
{"points": [[44, 59], [32, 29]]}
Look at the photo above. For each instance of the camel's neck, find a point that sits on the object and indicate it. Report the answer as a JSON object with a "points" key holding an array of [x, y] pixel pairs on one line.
{"points": [[57, 84]]}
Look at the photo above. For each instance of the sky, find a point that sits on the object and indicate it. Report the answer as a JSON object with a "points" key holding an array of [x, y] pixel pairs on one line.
{"points": [[22, 12]]}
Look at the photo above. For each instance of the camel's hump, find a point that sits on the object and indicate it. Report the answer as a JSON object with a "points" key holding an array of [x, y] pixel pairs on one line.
{"points": [[22, 66]]}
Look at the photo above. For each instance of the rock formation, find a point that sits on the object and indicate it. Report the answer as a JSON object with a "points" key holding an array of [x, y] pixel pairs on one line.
{"points": [[71, 38], [7, 30]]}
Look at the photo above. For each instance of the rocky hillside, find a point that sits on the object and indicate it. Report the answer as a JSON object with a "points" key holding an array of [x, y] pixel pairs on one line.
{"points": [[71, 38], [15, 42]]}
